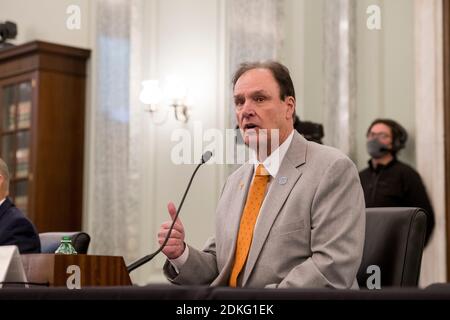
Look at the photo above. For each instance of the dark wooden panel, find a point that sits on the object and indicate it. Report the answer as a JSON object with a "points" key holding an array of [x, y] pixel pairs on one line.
{"points": [[60, 123], [34, 47], [39, 268], [42, 56], [95, 270], [23, 65]]}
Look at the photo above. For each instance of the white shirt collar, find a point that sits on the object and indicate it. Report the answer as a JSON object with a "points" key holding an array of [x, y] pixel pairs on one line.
{"points": [[3, 200], [273, 161]]}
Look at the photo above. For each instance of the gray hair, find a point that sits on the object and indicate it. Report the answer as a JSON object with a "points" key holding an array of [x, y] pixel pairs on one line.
{"points": [[4, 171]]}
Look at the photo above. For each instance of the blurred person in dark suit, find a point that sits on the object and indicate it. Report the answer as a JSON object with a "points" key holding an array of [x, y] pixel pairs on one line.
{"points": [[15, 228], [388, 182]]}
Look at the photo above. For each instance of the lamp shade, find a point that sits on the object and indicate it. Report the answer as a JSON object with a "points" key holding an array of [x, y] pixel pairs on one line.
{"points": [[151, 93]]}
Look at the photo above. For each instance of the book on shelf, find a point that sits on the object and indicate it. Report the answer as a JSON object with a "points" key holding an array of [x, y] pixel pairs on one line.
{"points": [[22, 156], [24, 114], [11, 117], [21, 202]]}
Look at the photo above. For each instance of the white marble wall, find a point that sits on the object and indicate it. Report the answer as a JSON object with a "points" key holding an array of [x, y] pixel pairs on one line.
{"points": [[254, 30], [187, 39], [113, 215], [254, 33], [429, 109], [340, 81]]}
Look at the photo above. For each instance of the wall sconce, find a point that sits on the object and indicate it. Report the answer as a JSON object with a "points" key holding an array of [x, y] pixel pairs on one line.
{"points": [[174, 94]]}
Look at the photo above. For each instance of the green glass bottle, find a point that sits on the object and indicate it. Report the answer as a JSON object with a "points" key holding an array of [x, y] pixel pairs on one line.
{"points": [[66, 246]]}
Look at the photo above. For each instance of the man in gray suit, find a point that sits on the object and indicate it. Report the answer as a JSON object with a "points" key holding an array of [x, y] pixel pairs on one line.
{"points": [[306, 226]]}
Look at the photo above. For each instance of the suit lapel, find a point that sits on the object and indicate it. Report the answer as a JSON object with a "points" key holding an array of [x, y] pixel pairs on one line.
{"points": [[240, 185], [278, 192]]}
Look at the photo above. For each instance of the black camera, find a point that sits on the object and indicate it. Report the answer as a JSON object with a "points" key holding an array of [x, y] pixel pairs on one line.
{"points": [[310, 130], [8, 30]]}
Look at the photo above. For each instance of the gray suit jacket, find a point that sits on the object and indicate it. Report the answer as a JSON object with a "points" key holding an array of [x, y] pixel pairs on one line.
{"points": [[310, 230]]}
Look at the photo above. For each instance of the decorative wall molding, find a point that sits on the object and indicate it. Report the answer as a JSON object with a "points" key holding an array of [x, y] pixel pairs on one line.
{"points": [[339, 21], [113, 217]]}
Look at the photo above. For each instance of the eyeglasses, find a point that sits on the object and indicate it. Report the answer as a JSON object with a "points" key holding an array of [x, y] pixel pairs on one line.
{"points": [[382, 135]]}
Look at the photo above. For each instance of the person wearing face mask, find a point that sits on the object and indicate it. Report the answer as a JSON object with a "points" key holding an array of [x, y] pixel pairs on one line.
{"points": [[388, 182]]}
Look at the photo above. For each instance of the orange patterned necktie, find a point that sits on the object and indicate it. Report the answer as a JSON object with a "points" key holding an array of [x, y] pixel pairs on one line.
{"points": [[251, 210]]}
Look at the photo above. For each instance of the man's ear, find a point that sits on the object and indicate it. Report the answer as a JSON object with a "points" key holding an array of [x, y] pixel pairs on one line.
{"points": [[290, 102]]}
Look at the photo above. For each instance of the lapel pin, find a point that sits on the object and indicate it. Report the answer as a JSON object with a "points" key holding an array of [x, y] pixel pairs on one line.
{"points": [[241, 185], [282, 180]]}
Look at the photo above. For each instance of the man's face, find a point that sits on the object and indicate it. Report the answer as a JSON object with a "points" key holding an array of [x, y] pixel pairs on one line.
{"points": [[258, 106], [381, 132]]}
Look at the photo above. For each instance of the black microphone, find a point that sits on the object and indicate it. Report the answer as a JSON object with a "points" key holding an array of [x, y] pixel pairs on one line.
{"points": [[205, 157]]}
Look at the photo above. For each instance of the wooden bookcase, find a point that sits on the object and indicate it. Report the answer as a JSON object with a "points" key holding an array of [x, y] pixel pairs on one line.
{"points": [[42, 115]]}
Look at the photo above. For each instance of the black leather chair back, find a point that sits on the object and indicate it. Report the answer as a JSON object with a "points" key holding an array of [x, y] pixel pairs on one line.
{"points": [[51, 240], [394, 242]]}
